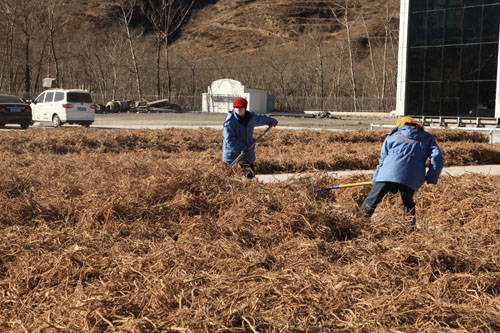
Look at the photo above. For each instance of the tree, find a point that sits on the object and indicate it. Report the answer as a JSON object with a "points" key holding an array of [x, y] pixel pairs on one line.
{"points": [[8, 32], [24, 14], [112, 48], [387, 37], [167, 17], [280, 64], [53, 24], [192, 58], [372, 58], [127, 10], [347, 23], [316, 42]]}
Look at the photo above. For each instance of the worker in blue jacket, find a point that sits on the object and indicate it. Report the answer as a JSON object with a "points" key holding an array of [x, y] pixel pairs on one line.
{"points": [[238, 134], [402, 165]]}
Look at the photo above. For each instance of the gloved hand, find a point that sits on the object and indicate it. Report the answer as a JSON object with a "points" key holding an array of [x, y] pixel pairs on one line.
{"points": [[275, 123]]}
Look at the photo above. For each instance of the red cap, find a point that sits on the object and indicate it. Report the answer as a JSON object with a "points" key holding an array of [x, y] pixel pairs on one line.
{"points": [[240, 102]]}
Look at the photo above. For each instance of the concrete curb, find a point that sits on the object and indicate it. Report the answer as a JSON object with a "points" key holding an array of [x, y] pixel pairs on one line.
{"points": [[454, 171]]}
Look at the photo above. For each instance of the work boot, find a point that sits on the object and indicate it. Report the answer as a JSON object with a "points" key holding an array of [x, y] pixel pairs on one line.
{"points": [[415, 226], [365, 212], [249, 169], [251, 172]]}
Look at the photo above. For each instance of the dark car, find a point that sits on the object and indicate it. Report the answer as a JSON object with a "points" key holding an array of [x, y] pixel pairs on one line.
{"points": [[13, 110]]}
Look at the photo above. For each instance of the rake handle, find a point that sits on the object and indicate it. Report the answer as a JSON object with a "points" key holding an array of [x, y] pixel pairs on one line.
{"points": [[246, 151], [334, 187]]}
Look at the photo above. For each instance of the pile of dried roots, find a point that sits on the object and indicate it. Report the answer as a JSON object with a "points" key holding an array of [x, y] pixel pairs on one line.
{"points": [[278, 151], [147, 230]]}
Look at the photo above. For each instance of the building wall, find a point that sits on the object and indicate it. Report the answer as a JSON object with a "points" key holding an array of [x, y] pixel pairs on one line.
{"points": [[221, 94], [449, 58], [257, 100]]}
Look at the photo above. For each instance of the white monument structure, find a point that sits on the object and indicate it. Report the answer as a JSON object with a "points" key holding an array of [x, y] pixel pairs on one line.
{"points": [[221, 94]]}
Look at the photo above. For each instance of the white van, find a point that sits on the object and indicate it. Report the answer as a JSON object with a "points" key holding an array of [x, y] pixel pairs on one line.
{"points": [[61, 106]]}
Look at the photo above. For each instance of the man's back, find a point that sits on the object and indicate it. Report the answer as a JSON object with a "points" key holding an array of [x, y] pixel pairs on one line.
{"points": [[404, 155]]}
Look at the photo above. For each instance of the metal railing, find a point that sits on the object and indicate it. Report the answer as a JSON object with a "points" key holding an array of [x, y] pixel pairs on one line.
{"points": [[491, 132]]}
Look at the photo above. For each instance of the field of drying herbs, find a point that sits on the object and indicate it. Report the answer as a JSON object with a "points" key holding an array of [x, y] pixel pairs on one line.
{"points": [[142, 231]]}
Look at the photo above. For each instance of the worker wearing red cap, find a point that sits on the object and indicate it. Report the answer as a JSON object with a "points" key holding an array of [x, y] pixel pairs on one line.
{"points": [[238, 133]]}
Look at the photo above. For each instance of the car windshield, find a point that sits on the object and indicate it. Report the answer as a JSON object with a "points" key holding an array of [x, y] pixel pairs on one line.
{"points": [[77, 97], [10, 99]]}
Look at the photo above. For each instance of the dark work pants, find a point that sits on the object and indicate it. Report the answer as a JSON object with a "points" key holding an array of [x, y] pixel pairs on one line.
{"points": [[380, 189]]}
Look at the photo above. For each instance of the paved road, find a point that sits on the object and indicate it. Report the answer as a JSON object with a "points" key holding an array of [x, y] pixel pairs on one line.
{"points": [[341, 121], [494, 134]]}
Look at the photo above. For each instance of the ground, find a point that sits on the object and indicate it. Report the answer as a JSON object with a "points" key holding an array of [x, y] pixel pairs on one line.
{"points": [[360, 121]]}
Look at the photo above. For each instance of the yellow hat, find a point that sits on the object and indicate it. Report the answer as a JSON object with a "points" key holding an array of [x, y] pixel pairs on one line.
{"points": [[408, 121]]}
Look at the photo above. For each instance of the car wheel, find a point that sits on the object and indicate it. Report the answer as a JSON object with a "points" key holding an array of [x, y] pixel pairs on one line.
{"points": [[2, 125], [25, 125], [56, 121]]}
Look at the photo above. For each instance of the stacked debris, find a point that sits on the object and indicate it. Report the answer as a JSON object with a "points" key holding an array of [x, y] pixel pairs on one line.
{"points": [[146, 231], [162, 105]]}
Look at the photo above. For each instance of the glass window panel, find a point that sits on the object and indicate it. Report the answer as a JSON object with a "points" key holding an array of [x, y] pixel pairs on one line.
{"points": [[455, 3], [417, 5], [49, 96], [79, 97], [417, 29], [10, 99], [414, 99], [489, 1], [470, 62], [435, 26], [453, 29], [449, 106], [432, 94], [449, 99], [415, 64], [59, 96], [472, 28], [472, 2], [451, 63], [436, 4], [39, 99], [488, 61], [468, 99], [433, 60], [486, 99], [491, 24]]}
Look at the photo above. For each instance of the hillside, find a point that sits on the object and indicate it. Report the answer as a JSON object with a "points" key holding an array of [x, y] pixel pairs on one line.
{"points": [[227, 26], [296, 50], [232, 25]]}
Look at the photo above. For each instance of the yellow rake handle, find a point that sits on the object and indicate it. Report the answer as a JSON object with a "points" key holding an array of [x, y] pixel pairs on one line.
{"points": [[334, 187]]}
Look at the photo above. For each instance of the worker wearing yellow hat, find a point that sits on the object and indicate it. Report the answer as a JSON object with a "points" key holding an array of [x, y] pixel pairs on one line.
{"points": [[408, 121], [402, 165]]}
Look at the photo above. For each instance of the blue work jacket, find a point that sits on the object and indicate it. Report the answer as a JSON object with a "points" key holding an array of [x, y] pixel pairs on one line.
{"points": [[238, 135], [404, 155]]}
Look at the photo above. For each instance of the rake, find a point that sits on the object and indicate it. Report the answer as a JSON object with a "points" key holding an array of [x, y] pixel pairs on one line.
{"points": [[334, 187], [246, 151]]}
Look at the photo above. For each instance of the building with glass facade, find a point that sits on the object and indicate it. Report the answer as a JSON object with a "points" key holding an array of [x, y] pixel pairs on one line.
{"points": [[449, 63]]}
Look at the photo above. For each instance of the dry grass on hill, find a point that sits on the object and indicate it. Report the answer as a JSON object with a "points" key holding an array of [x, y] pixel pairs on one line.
{"points": [[146, 230]]}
